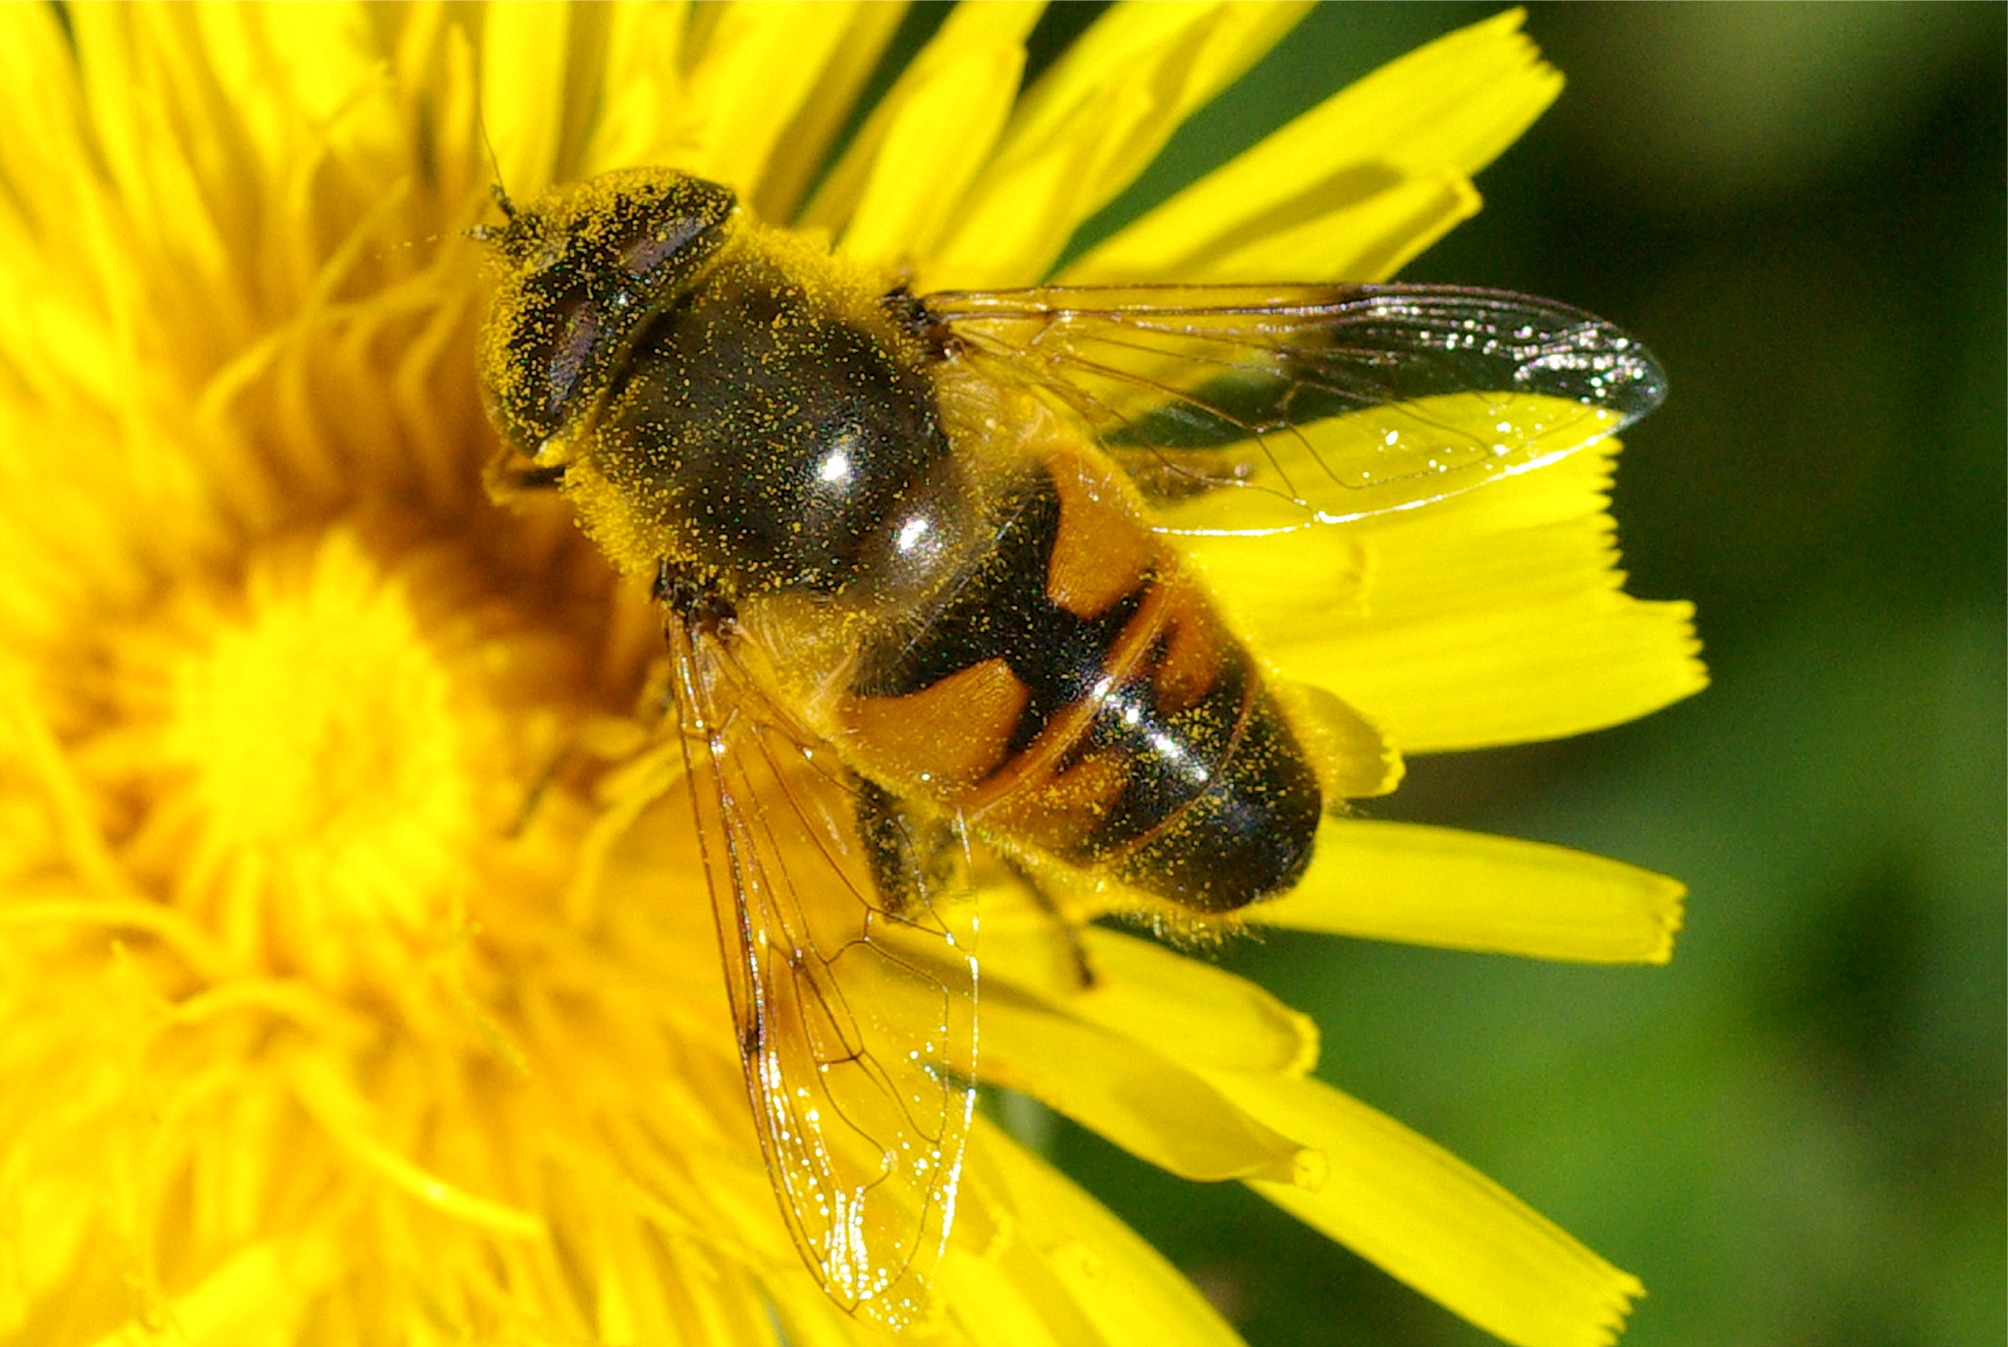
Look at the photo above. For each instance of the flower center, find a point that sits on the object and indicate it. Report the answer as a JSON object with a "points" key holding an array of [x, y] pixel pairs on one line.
{"points": [[325, 733], [347, 751]]}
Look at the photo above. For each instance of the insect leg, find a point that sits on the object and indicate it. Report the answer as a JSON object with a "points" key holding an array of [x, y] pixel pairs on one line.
{"points": [[1069, 931], [512, 473], [915, 857]]}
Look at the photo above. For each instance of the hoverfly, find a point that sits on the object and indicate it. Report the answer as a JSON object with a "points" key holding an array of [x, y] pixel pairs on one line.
{"points": [[919, 604]]}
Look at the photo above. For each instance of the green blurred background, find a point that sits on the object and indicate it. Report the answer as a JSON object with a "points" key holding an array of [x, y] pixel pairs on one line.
{"points": [[1794, 1133]]}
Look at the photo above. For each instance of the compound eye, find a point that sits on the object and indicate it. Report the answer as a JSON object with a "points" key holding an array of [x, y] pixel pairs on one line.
{"points": [[592, 263], [556, 349], [658, 243]]}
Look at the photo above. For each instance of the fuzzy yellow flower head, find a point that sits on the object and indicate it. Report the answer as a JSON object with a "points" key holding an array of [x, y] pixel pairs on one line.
{"points": [[360, 981]]}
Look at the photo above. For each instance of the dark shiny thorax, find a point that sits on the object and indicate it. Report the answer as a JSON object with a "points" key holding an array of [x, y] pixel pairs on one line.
{"points": [[776, 439]]}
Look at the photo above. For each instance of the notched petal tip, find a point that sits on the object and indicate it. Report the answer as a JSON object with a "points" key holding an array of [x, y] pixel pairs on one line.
{"points": [[1438, 1225], [1460, 890]]}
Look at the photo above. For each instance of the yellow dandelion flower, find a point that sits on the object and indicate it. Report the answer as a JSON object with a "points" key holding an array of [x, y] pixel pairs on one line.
{"points": [[358, 981]]}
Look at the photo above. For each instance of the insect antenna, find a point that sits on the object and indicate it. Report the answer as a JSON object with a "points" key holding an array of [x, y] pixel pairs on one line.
{"points": [[483, 233]]}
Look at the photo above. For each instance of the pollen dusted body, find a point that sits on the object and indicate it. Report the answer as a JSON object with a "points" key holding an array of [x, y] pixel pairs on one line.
{"points": [[914, 600], [944, 579]]}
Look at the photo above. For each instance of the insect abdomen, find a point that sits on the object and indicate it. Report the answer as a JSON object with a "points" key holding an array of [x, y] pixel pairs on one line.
{"points": [[1079, 695]]}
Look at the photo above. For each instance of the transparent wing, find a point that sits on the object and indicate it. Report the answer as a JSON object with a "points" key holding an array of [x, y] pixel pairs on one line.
{"points": [[1253, 409], [855, 1007]]}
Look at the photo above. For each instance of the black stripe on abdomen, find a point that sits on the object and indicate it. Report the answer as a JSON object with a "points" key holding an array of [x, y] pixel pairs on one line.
{"points": [[1001, 611], [1214, 804]]}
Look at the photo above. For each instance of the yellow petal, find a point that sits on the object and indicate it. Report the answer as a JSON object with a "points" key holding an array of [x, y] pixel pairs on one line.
{"points": [[1354, 760], [52, 335], [1457, 102], [994, 1305], [901, 180], [1494, 617], [643, 1292], [255, 1299], [1187, 53], [755, 67], [1150, 1105], [1361, 238], [38, 90], [130, 90], [641, 87], [1438, 114], [344, 1115], [1187, 1009], [808, 1318], [1439, 886], [1063, 1269], [1023, 214], [1437, 1224], [524, 47], [804, 146], [1093, 122], [280, 61]]}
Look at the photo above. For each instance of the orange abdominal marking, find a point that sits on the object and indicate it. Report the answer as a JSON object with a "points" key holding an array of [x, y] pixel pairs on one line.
{"points": [[1196, 650], [1103, 551], [1078, 696], [954, 733]]}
